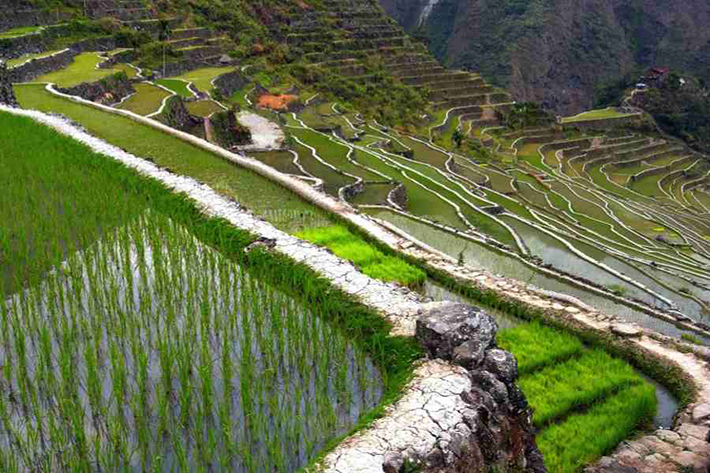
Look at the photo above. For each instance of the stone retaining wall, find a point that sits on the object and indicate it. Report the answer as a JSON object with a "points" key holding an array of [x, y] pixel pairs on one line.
{"points": [[12, 48], [109, 90], [31, 70], [7, 94], [229, 83]]}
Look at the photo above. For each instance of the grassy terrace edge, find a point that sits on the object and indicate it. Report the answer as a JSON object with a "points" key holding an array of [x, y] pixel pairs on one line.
{"points": [[394, 356]]}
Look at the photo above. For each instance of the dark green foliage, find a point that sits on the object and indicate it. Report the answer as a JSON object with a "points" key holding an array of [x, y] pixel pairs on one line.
{"points": [[379, 96], [523, 115], [682, 110]]}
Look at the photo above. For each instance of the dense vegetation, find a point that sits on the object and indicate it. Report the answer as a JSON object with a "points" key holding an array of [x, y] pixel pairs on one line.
{"points": [[370, 260], [581, 414], [681, 109]]}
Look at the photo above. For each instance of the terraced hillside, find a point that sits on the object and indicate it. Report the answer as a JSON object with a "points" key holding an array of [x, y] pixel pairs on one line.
{"points": [[593, 210]]}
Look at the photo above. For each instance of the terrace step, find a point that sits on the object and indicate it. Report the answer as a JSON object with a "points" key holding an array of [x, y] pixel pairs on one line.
{"points": [[434, 78], [398, 68], [200, 52], [451, 94], [354, 45], [419, 71], [448, 84], [185, 42], [184, 33]]}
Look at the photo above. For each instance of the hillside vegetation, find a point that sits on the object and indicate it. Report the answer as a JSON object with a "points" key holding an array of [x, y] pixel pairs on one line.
{"points": [[555, 52]]}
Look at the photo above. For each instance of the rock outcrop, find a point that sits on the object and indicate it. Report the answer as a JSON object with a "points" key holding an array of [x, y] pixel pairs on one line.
{"points": [[177, 116], [498, 433], [109, 90]]}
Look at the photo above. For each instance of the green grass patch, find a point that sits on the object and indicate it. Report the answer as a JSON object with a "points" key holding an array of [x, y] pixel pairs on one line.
{"points": [[202, 78], [536, 346], [601, 114], [203, 108], [147, 99], [177, 86], [583, 438], [83, 69], [558, 389], [21, 31], [372, 261], [27, 57]]}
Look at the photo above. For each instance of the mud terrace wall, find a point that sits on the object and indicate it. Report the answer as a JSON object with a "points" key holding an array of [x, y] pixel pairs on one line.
{"points": [[463, 417]]}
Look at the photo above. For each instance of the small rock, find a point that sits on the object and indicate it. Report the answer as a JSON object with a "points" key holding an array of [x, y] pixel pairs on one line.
{"points": [[667, 435], [557, 306], [697, 431], [701, 412], [697, 446], [501, 364], [490, 384], [448, 326], [625, 330], [691, 460], [393, 462], [469, 354], [571, 310]]}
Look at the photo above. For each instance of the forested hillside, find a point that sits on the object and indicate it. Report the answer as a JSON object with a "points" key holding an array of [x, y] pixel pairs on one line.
{"points": [[557, 52]]}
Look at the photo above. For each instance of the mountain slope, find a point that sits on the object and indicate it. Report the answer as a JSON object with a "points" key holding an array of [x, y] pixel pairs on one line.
{"points": [[556, 52]]}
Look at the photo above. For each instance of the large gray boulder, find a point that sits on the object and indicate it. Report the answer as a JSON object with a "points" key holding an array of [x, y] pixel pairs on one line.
{"points": [[457, 332]]}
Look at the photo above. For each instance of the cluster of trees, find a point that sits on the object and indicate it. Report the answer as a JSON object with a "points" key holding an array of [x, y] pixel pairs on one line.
{"points": [[681, 107], [680, 104]]}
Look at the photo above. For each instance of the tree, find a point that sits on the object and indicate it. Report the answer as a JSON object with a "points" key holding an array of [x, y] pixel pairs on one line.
{"points": [[458, 138]]}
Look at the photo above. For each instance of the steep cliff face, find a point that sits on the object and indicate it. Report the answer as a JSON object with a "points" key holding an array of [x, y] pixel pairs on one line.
{"points": [[557, 51]]}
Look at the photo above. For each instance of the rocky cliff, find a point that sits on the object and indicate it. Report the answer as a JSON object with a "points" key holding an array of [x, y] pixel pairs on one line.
{"points": [[556, 52]]}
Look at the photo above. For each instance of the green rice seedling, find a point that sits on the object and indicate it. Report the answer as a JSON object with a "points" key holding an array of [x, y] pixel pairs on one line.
{"points": [[391, 269], [582, 438], [559, 389], [325, 235], [536, 346]]}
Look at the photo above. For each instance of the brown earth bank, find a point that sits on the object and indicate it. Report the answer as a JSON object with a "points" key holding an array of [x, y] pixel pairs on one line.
{"points": [[276, 102], [556, 52]]}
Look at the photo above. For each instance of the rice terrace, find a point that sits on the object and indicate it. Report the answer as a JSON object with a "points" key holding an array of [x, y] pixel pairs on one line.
{"points": [[282, 236]]}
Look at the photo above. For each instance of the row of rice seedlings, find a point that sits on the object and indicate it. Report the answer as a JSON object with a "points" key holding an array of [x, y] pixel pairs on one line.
{"points": [[150, 351], [576, 393], [49, 209], [369, 259], [556, 390], [536, 345], [584, 437]]}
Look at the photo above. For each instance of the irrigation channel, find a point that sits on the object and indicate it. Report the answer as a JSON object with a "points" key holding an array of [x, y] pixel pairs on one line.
{"points": [[151, 351]]}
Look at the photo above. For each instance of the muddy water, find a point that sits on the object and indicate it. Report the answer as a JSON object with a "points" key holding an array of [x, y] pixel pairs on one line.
{"points": [[480, 256], [177, 360]]}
